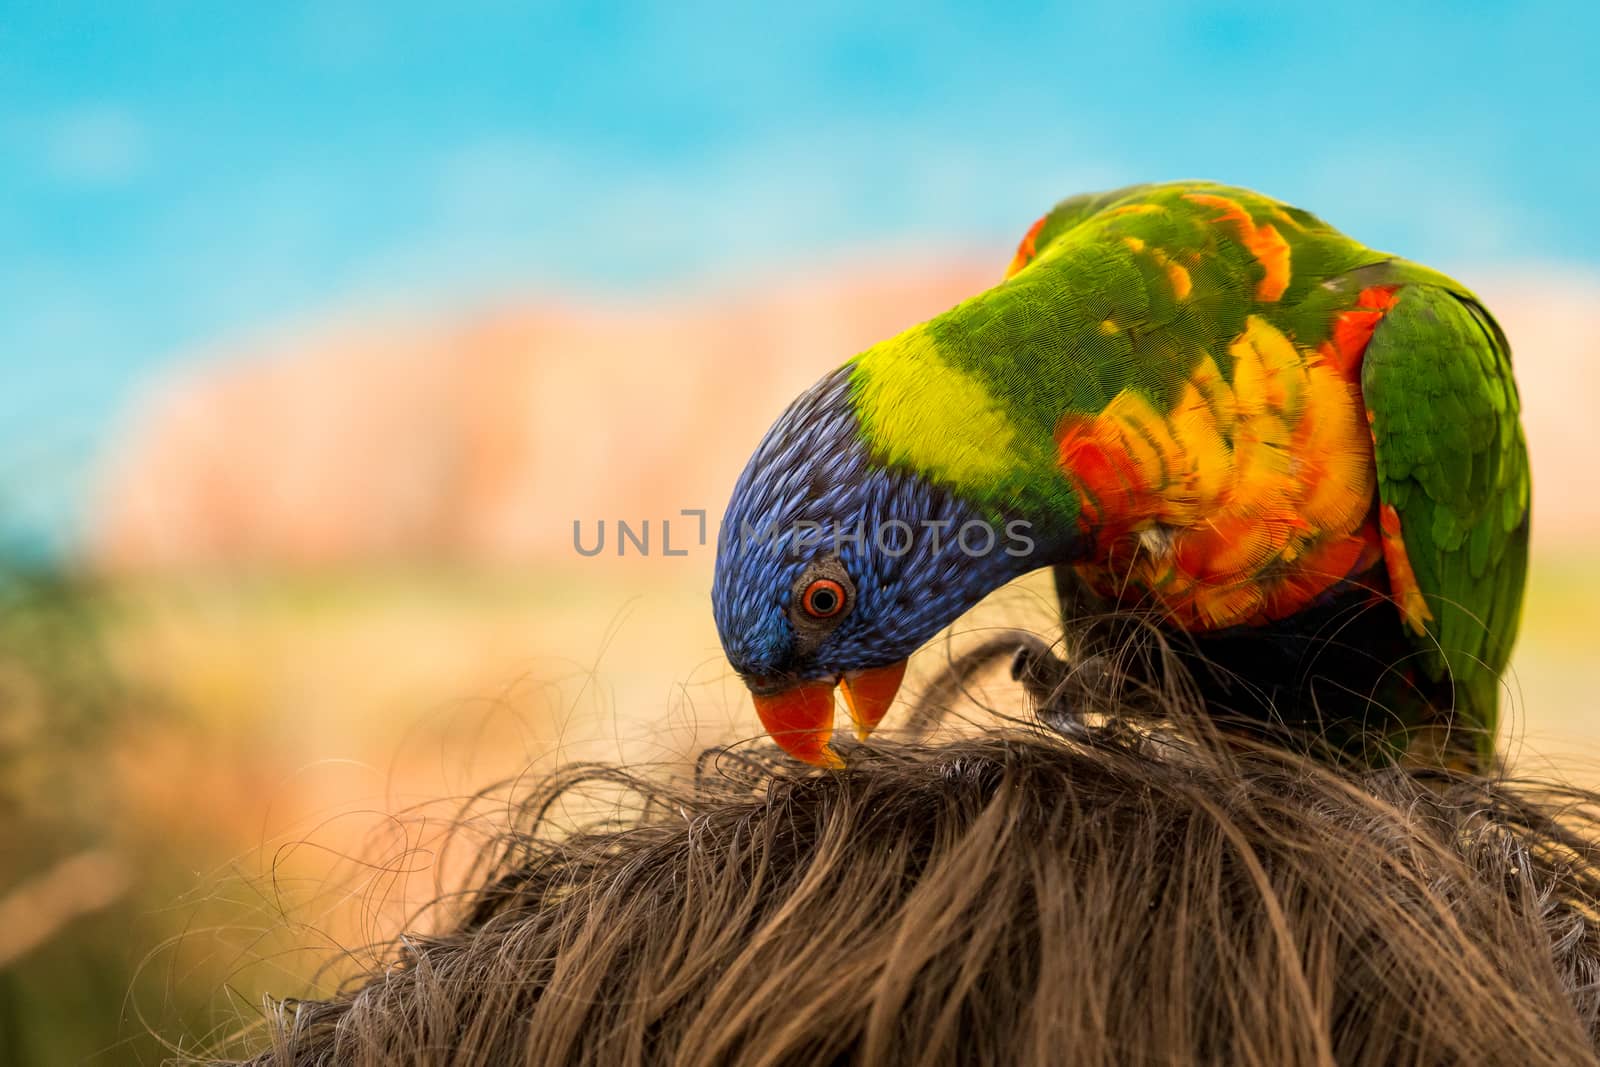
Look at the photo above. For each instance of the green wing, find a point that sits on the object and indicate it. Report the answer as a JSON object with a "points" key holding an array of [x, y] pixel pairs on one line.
{"points": [[1453, 464]]}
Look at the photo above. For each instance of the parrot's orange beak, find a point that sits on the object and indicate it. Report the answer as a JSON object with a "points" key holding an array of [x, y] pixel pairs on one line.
{"points": [[868, 695], [800, 719]]}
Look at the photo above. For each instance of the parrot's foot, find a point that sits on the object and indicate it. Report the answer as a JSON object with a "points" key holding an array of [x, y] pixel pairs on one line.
{"points": [[1042, 673], [1072, 694], [1071, 698], [1063, 694], [1045, 677], [1080, 696]]}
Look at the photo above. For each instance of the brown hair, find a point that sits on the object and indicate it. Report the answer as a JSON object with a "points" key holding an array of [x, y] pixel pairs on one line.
{"points": [[1020, 897]]}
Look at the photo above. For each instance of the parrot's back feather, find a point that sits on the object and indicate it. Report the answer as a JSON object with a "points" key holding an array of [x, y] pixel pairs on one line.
{"points": [[1453, 466], [1183, 376], [1299, 454]]}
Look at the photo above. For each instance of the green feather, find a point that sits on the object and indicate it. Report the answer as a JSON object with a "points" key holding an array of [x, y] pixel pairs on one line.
{"points": [[972, 399], [1453, 463]]}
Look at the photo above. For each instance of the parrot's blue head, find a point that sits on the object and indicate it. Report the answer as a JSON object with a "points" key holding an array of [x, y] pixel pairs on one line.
{"points": [[832, 568]]}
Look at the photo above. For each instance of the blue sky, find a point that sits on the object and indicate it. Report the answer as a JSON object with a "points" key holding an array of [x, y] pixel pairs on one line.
{"points": [[176, 173]]}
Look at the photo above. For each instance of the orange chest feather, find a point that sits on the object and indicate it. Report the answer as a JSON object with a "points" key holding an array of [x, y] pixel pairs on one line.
{"points": [[1247, 499]]}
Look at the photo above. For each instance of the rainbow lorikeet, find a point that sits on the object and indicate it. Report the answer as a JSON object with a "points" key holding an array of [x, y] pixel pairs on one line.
{"points": [[1300, 457]]}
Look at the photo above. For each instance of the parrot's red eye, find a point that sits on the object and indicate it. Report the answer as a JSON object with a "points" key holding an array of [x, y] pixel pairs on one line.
{"points": [[819, 600], [823, 599]]}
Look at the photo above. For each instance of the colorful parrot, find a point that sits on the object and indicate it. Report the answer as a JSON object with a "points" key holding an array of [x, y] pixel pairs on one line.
{"points": [[1300, 457]]}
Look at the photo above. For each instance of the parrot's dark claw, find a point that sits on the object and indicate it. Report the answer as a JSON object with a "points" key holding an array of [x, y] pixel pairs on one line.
{"points": [[1070, 698], [1040, 671], [1054, 686]]}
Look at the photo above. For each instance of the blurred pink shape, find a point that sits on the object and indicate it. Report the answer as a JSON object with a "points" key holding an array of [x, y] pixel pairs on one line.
{"points": [[483, 439]]}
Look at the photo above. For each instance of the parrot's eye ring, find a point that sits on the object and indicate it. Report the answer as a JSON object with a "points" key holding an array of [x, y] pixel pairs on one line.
{"points": [[819, 600], [823, 599]]}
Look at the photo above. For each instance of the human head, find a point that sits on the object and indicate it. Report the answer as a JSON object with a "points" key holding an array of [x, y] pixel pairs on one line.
{"points": [[1012, 898]]}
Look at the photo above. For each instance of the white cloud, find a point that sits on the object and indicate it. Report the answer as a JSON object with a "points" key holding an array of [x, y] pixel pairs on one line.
{"points": [[1421, 203], [516, 200], [99, 145]]}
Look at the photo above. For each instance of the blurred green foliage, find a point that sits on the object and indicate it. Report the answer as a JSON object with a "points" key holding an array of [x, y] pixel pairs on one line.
{"points": [[57, 691], [78, 984]]}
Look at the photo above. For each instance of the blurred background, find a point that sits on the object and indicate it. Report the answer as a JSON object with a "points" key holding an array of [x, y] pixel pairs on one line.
{"points": [[321, 325]]}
